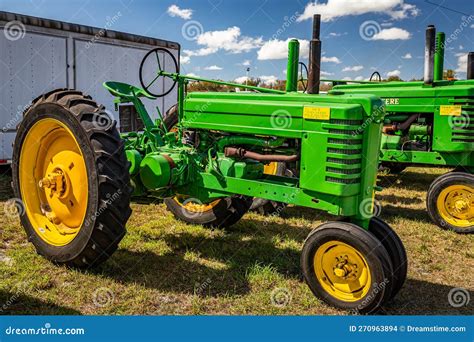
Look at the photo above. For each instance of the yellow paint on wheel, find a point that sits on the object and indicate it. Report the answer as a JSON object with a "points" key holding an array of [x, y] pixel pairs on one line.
{"points": [[342, 271], [455, 205], [271, 169], [194, 206], [53, 181]]}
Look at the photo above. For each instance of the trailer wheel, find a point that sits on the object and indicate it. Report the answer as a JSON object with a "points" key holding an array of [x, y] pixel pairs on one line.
{"points": [[450, 202], [394, 168], [395, 248], [347, 267], [264, 206], [220, 213], [71, 174]]}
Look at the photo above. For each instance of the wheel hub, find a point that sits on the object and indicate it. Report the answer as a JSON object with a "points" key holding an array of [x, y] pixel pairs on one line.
{"points": [[456, 205], [53, 181], [342, 271]]}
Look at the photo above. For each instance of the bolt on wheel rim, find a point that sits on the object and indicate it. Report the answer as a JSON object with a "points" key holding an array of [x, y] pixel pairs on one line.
{"points": [[342, 271], [456, 205], [53, 182]]}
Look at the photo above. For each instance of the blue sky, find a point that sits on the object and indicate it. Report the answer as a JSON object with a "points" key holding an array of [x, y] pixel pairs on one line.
{"points": [[220, 39]]}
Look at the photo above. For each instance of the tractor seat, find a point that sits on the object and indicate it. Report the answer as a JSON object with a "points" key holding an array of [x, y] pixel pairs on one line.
{"points": [[125, 90]]}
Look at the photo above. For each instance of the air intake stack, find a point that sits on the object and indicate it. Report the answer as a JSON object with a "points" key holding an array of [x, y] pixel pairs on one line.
{"points": [[470, 66], [315, 57]]}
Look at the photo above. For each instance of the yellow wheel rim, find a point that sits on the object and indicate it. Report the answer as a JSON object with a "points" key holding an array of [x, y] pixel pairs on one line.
{"points": [[194, 206], [455, 205], [53, 182], [271, 169], [342, 271]]}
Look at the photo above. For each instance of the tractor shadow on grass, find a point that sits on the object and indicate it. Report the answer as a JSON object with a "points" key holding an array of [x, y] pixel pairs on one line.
{"points": [[22, 304], [419, 297], [211, 266]]}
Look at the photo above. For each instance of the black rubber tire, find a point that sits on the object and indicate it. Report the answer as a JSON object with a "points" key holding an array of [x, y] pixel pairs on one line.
{"points": [[268, 207], [440, 183], [260, 205], [171, 118], [227, 212], [107, 169], [394, 168], [373, 251], [396, 250]]}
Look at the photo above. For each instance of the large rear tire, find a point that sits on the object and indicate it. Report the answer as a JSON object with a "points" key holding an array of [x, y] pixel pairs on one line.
{"points": [[71, 174]]}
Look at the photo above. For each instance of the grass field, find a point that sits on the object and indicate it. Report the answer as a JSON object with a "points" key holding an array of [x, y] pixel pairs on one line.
{"points": [[165, 267]]}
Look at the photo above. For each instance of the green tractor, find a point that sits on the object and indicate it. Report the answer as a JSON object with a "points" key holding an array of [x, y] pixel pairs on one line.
{"points": [[431, 123], [75, 174]]}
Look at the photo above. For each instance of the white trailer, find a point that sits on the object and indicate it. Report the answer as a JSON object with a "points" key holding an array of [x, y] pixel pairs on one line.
{"points": [[38, 55]]}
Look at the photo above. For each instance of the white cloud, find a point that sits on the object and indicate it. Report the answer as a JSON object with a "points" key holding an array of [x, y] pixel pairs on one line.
{"points": [[336, 34], [407, 56], [334, 9], [278, 49], [359, 78], [192, 75], [462, 62], [185, 60], [213, 68], [393, 73], [347, 79], [241, 79], [461, 47], [325, 73], [175, 11], [246, 62], [325, 59], [268, 80], [353, 68], [393, 33], [229, 40]]}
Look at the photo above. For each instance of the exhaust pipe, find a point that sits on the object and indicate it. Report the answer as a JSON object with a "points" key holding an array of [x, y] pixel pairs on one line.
{"points": [[470, 66], [429, 54], [315, 57]]}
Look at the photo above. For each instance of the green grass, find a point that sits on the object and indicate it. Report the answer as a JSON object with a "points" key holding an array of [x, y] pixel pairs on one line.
{"points": [[165, 267]]}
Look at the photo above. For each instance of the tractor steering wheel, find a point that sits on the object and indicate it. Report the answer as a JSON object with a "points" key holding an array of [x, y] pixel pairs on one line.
{"points": [[377, 74], [154, 63], [304, 81]]}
